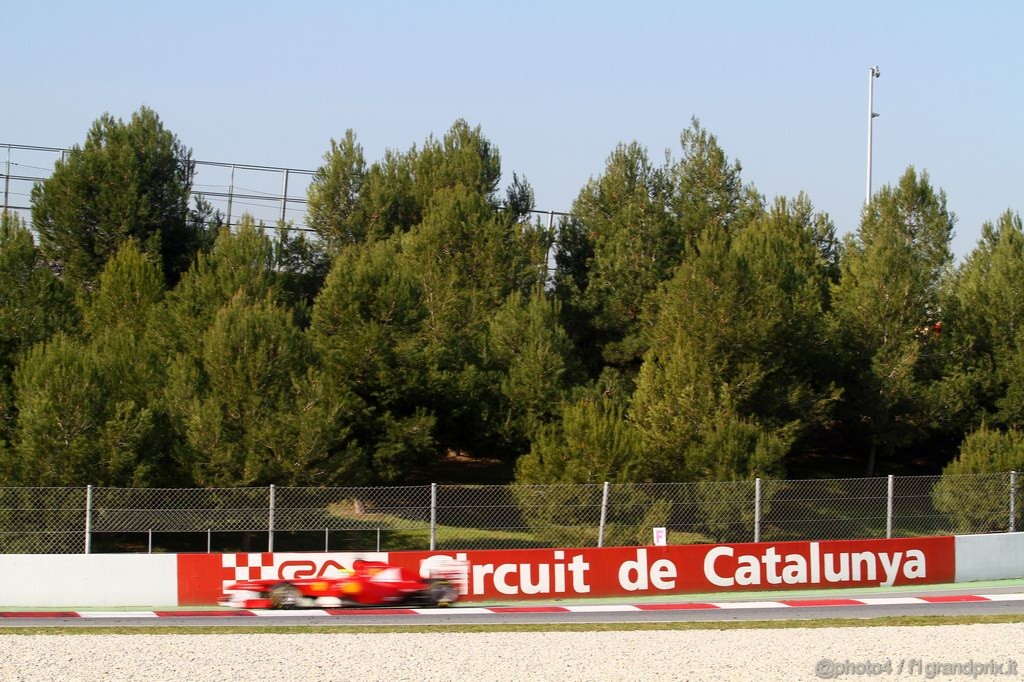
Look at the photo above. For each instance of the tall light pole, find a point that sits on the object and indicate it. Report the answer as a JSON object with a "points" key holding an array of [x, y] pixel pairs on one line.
{"points": [[873, 73]]}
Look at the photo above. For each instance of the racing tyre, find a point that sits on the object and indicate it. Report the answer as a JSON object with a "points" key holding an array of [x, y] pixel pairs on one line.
{"points": [[442, 593], [285, 596]]}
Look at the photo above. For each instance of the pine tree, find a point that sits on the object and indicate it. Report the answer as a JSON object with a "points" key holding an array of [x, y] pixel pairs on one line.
{"points": [[885, 310], [707, 189], [980, 472], [615, 248], [403, 317], [241, 394], [127, 181], [630, 229], [336, 207], [732, 375], [593, 442], [34, 305], [988, 299], [364, 330], [78, 419], [532, 359], [241, 263]]}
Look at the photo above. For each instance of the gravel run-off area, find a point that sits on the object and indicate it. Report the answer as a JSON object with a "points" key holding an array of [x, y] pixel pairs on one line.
{"points": [[954, 652]]}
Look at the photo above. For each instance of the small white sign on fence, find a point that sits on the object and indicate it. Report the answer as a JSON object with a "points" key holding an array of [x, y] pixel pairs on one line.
{"points": [[660, 537]]}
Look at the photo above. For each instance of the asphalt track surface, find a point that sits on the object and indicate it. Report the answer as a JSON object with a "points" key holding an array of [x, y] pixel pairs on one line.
{"points": [[975, 599]]}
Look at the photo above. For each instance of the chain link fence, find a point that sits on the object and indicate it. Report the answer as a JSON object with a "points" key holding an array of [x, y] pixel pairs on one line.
{"points": [[444, 517], [43, 520]]}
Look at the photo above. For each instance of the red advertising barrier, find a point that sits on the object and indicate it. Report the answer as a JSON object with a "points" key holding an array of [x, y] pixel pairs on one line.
{"points": [[681, 569], [617, 571], [201, 578]]}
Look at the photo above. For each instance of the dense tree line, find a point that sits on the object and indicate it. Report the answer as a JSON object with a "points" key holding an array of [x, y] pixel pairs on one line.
{"points": [[676, 325]]}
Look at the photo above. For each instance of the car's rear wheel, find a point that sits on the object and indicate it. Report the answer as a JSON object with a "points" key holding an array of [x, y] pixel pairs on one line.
{"points": [[285, 596], [442, 593]]}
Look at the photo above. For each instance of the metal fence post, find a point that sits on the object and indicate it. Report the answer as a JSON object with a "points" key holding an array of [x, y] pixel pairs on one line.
{"points": [[604, 516], [270, 522], [433, 519], [7, 179], [284, 196], [88, 518], [231, 194], [1013, 501], [757, 509], [888, 511]]}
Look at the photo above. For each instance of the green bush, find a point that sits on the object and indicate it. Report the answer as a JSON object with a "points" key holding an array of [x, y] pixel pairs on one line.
{"points": [[974, 488]]}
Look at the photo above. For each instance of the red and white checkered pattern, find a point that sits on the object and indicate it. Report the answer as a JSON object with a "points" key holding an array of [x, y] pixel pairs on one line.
{"points": [[283, 565], [248, 566]]}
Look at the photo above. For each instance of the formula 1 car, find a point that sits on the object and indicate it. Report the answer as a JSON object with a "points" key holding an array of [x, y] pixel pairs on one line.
{"points": [[367, 583]]}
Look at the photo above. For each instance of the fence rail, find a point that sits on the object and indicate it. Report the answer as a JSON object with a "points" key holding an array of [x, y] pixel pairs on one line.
{"points": [[267, 193], [96, 519]]}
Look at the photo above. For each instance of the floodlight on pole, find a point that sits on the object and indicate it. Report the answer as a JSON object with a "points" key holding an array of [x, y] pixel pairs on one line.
{"points": [[873, 73]]}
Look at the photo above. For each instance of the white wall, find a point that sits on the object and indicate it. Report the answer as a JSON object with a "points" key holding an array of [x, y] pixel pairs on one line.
{"points": [[96, 580], [989, 557]]}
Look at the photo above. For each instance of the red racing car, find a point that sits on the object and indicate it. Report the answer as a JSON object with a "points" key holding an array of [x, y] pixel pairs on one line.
{"points": [[367, 583]]}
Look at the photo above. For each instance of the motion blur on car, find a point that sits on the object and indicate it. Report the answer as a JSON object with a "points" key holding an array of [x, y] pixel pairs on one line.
{"points": [[367, 583]]}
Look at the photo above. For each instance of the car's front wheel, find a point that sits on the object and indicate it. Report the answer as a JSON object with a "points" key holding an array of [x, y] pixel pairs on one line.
{"points": [[285, 596]]}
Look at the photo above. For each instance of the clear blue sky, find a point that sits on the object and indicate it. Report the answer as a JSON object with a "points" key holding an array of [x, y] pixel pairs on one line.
{"points": [[555, 85]]}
